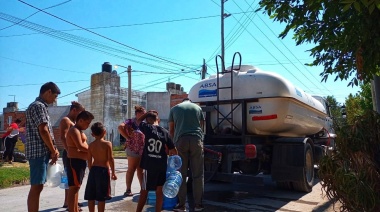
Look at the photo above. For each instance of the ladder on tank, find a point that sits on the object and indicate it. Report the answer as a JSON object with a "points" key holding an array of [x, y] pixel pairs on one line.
{"points": [[229, 117]]}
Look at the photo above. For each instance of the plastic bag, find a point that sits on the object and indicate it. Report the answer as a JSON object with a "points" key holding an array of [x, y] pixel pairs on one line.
{"points": [[53, 178]]}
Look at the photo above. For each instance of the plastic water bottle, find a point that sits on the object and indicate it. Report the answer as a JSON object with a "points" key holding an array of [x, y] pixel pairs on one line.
{"points": [[113, 186], [174, 163], [64, 182], [151, 197], [172, 184]]}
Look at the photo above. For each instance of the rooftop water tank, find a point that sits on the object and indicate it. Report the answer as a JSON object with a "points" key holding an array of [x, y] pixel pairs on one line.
{"points": [[107, 67], [178, 87], [170, 85]]}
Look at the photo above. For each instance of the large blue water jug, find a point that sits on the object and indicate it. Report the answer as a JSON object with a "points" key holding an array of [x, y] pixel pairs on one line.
{"points": [[169, 203], [172, 184], [174, 163], [151, 197]]}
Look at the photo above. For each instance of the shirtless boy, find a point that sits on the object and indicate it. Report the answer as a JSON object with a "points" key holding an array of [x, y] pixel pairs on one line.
{"points": [[77, 149], [64, 126], [100, 160]]}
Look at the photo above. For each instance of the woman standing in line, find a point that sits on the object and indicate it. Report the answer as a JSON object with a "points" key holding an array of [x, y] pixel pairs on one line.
{"points": [[133, 147], [10, 138]]}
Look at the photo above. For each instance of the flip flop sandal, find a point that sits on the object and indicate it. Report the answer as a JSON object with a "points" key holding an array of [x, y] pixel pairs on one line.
{"points": [[128, 193]]}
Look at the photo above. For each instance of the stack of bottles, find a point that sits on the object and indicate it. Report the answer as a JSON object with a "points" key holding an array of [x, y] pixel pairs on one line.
{"points": [[171, 186], [173, 182]]}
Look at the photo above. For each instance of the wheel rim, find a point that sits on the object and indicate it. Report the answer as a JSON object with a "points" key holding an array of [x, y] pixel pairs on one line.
{"points": [[309, 166]]}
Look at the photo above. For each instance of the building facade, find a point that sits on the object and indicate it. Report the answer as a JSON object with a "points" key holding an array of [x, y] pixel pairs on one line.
{"points": [[108, 102]]}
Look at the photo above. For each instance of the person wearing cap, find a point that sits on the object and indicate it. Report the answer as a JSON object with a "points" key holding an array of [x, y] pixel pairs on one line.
{"points": [[10, 138], [185, 126]]}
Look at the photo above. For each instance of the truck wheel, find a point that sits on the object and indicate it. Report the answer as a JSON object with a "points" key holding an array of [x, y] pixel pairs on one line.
{"points": [[284, 185], [306, 184]]}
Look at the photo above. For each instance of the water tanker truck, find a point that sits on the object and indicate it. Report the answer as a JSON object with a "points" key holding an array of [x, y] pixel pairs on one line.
{"points": [[258, 123]]}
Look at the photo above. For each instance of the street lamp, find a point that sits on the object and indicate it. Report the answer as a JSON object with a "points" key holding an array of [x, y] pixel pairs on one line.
{"points": [[129, 70]]}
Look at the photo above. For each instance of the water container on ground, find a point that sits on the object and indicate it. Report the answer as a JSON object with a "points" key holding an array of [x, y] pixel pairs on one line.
{"points": [[169, 203], [151, 197], [172, 184]]}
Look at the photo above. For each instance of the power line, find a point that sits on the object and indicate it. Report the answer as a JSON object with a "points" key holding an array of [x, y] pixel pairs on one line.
{"points": [[112, 40], [32, 64], [129, 25], [82, 42], [303, 65], [34, 14], [279, 49], [13, 85], [260, 43]]}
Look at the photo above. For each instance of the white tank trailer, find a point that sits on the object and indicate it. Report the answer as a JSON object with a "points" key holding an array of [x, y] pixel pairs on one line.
{"points": [[260, 123]]}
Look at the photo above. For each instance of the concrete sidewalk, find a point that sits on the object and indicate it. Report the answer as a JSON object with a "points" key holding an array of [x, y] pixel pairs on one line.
{"points": [[15, 199]]}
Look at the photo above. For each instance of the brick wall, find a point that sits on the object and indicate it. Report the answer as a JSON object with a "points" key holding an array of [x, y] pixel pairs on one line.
{"points": [[176, 99], [57, 138], [15, 115]]}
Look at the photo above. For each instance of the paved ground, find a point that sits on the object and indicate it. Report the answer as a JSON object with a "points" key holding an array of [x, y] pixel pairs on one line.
{"points": [[218, 197]]}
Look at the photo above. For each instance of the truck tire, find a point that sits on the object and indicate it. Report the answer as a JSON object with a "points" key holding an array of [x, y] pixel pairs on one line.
{"points": [[284, 185], [306, 184]]}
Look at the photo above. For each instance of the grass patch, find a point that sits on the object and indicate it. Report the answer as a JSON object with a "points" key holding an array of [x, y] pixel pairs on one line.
{"points": [[118, 148], [119, 154], [17, 173]]}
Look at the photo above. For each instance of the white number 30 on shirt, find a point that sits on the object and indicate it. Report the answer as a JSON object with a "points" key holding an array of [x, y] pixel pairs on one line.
{"points": [[154, 145]]}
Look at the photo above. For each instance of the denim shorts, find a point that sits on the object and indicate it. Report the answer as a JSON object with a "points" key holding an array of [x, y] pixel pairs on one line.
{"points": [[38, 170], [131, 154]]}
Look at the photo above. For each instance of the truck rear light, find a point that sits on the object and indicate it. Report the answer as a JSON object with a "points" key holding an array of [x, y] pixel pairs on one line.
{"points": [[263, 118], [250, 151]]}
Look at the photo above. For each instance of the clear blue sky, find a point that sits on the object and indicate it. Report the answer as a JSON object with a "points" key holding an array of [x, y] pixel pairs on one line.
{"points": [[162, 41]]}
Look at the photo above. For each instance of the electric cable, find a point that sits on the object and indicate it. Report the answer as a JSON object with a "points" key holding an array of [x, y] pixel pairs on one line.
{"points": [[107, 38], [34, 14]]}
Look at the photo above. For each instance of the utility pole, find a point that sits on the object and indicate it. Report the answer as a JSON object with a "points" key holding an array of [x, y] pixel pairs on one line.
{"points": [[222, 16], [204, 69], [129, 71]]}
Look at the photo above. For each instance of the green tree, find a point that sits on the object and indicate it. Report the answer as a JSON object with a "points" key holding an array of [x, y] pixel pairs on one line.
{"points": [[335, 108], [346, 37], [345, 33], [358, 104]]}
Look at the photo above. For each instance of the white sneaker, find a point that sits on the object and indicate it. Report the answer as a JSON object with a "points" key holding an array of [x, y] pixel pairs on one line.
{"points": [[179, 208]]}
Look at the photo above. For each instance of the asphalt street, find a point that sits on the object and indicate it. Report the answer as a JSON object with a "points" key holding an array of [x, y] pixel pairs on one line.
{"points": [[218, 197]]}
